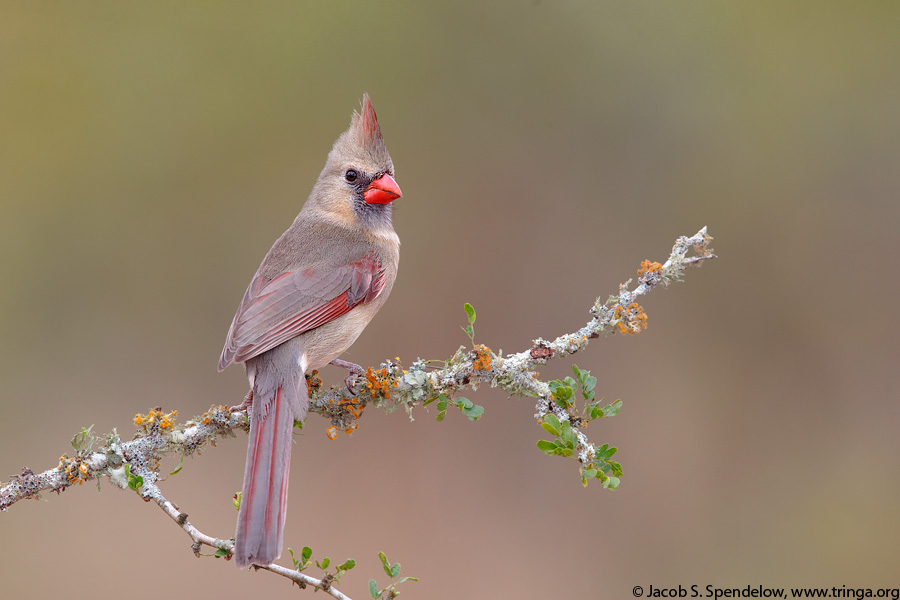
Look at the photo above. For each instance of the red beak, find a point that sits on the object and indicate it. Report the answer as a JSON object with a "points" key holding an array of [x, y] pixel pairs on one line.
{"points": [[382, 190]]}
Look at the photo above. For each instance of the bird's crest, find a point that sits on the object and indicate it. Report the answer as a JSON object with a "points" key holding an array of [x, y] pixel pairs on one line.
{"points": [[365, 125]]}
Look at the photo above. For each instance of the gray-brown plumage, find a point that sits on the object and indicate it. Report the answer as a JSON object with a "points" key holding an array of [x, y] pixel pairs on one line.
{"points": [[317, 288]]}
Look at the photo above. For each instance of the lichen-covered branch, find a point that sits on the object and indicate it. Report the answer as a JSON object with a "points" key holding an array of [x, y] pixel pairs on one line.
{"points": [[135, 464]]}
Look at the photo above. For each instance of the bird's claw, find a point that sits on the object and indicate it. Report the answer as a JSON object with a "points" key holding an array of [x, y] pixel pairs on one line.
{"points": [[245, 405], [355, 371]]}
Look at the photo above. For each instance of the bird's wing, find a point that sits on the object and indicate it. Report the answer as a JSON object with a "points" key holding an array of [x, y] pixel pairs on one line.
{"points": [[277, 309]]}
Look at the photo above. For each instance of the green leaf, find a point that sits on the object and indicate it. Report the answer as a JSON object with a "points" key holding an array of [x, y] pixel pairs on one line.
{"points": [[553, 421], [306, 553], [577, 372], [407, 579], [348, 564], [220, 553], [612, 410], [134, 481], [178, 468], [546, 447], [611, 483], [473, 412], [236, 500], [549, 428], [567, 435], [384, 564], [563, 400], [589, 384], [441, 415], [470, 312], [562, 393], [442, 403], [395, 570], [373, 589], [324, 564], [604, 452], [463, 403], [430, 400]]}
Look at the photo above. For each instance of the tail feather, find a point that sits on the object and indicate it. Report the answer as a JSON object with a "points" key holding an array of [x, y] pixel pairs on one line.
{"points": [[260, 526]]}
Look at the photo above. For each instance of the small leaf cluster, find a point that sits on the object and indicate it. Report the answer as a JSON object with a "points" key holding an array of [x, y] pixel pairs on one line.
{"points": [[472, 411], [134, 481], [305, 561], [470, 328], [392, 571], [563, 393], [603, 469], [564, 444]]}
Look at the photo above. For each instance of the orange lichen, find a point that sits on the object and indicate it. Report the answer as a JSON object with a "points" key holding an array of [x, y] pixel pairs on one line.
{"points": [[156, 418], [313, 382], [483, 358], [346, 412], [75, 469], [351, 405], [632, 319], [220, 413], [379, 382], [649, 267]]}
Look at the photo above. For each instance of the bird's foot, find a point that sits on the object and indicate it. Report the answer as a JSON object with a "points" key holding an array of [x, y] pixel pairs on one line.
{"points": [[245, 405], [355, 371]]}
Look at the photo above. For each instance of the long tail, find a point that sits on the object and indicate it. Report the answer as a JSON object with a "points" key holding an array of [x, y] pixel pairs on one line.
{"points": [[260, 527]]}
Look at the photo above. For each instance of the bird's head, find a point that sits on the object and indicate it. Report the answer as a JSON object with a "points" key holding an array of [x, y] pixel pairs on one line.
{"points": [[357, 185]]}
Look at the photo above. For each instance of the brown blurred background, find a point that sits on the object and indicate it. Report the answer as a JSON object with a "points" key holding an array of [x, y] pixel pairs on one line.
{"points": [[151, 153]]}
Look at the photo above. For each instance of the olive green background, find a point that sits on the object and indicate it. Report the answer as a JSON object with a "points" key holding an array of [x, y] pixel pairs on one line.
{"points": [[150, 153]]}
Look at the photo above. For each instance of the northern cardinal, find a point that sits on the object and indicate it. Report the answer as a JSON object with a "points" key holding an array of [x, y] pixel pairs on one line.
{"points": [[315, 291]]}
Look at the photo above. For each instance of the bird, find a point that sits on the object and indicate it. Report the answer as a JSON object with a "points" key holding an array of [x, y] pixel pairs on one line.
{"points": [[313, 294]]}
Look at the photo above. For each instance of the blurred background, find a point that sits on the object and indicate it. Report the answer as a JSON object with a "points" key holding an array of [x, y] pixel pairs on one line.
{"points": [[151, 153]]}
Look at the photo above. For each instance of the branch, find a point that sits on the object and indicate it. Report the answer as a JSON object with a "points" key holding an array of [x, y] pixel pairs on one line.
{"points": [[135, 464]]}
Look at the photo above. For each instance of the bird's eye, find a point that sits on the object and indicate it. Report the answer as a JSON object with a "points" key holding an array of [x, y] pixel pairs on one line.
{"points": [[351, 175]]}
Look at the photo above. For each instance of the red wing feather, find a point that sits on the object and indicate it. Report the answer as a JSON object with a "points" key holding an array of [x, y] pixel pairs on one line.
{"points": [[274, 311]]}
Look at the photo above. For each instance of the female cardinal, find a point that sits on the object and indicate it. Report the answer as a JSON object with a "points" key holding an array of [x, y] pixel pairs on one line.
{"points": [[313, 294]]}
